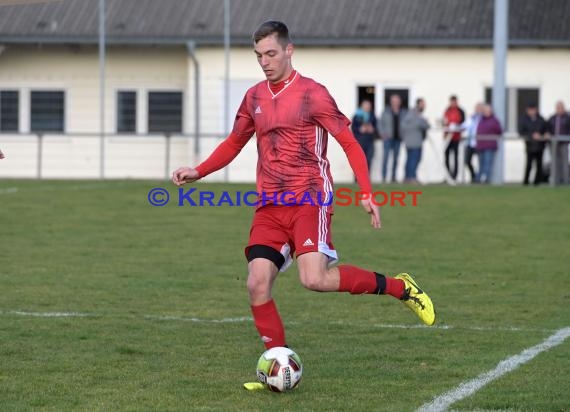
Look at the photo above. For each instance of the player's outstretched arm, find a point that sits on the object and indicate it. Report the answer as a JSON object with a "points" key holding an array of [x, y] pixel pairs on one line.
{"points": [[220, 157]]}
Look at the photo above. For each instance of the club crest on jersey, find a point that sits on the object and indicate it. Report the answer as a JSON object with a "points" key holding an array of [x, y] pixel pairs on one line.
{"points": [[258, 110]]}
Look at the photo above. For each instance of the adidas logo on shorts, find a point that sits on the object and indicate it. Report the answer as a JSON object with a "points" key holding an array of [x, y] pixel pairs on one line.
{"points": [[308, 242]]}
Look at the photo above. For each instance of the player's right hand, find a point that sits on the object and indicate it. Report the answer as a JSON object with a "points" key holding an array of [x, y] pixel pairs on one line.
{"points": [[184, 175], [374, 211]]}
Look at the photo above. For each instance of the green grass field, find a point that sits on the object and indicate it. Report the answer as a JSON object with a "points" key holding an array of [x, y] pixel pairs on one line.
{"points": [[162, 319]]}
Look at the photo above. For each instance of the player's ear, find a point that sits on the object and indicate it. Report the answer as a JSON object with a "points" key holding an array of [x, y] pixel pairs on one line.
{"points": [[289, 50]]}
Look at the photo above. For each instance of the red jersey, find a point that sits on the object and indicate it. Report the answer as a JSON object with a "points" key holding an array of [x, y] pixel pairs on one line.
{"points": [[292, 128], [456, 116]]}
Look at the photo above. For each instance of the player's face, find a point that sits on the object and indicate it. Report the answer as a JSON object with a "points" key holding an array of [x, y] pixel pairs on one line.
{"points": [[275, 61]]}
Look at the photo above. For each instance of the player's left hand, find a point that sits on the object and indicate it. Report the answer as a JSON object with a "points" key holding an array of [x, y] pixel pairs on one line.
{"points": [[374, 211]]}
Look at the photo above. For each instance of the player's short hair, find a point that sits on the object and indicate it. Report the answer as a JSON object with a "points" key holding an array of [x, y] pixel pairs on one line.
{"points": [[271, 27]]}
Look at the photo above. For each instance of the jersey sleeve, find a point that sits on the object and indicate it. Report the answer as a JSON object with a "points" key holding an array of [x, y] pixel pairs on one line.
{"points": [[356, 158], [324, 111], [222, 155], [244, 126]]}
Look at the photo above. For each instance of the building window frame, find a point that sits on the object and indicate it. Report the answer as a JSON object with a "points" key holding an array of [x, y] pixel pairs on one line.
{"points": [[3, 128], [120, 126], [61, 120], [152, 117]]}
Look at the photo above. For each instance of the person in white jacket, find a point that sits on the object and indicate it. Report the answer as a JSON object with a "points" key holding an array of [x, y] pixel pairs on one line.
{"points": [[470, 126]]}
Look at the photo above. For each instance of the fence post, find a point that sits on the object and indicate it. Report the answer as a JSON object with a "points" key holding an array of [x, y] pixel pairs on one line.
{"points": [[167, 154], [40, 154], [553, 163]]}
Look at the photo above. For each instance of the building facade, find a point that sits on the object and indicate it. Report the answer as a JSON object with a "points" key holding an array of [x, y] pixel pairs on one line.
{"points": [[50, 111]]}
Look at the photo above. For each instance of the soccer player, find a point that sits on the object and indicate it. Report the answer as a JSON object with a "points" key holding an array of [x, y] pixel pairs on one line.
{"points": [[291, 115]]}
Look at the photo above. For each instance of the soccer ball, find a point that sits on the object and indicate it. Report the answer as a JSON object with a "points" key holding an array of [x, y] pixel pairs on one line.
{"points": [[280, 369]]}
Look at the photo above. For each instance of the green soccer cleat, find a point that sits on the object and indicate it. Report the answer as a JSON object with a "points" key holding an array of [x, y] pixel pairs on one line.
{"points": [[253, 386], [417, 300]]}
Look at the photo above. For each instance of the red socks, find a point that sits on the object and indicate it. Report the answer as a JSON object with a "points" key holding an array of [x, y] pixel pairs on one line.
{"points": [[358, 281], [353, 279], [268, 324]]}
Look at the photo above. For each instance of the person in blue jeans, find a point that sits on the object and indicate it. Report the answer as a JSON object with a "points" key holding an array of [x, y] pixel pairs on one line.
{"points": [[414, 131], [365, 130], [489, 131], [391, 133]]}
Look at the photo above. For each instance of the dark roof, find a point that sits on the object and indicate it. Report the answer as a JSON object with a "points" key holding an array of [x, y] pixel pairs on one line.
{"points": [[312, 22]]}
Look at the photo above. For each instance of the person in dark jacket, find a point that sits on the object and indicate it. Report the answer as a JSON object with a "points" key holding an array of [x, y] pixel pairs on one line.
{"points": [[559, 125], [533, 128], [489, 130], [365, 130]]}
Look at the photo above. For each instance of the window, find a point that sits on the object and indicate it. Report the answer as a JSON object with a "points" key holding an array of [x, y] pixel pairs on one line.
{"points": [[366, 93], [9, 107], [47, 111], [516, 102], [165, 112], [126, 112]]}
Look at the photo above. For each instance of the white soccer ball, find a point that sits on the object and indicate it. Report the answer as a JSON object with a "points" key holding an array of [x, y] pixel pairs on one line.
{"points": [[280, 369]]}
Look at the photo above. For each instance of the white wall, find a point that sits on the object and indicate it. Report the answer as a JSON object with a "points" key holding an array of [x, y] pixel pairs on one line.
{"points": [[430, 73]]}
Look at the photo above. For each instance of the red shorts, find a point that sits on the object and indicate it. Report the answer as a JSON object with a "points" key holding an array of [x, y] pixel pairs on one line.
{"points": [[293, 230]]}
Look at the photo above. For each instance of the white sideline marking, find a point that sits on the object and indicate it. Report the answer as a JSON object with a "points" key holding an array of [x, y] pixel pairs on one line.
{"points": [[446, 327], [465, 389], [84, 186], [250, 319], [199, 320], [8, 190], [51, 314]]}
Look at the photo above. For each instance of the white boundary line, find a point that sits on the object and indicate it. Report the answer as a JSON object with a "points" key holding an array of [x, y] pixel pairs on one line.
{"points": [[468, 388], [250, 319], [52, 188], [199, 320], [8, 190], [49, 314]]}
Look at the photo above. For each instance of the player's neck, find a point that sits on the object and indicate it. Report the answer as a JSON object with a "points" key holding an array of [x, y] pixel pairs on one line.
{"points": [[280, 85]]}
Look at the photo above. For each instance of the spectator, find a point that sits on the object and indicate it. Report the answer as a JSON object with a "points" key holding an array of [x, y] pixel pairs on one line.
{"points": [[390, 131], [364, 129], [559, 125], [488, 132], [470, 125], [532, 128], [453, 117], [414, 129]]}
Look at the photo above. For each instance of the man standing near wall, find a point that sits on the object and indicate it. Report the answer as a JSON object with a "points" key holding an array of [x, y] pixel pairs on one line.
{"points": [[533, 128], [559, 125], [414, 131], [390, 131]]}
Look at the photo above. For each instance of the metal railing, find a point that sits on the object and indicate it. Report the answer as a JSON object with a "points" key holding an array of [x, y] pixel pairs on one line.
{"points": [[556, 143]]}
